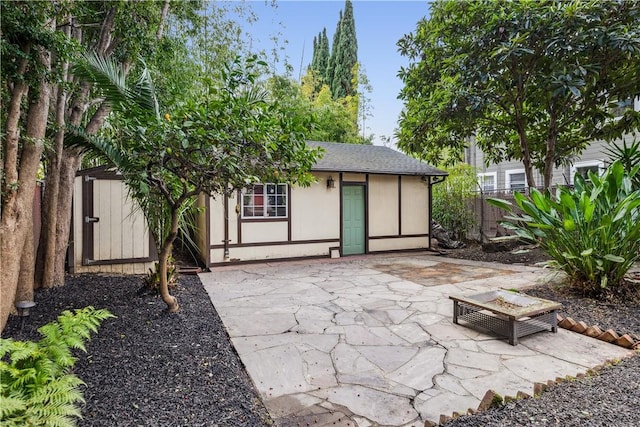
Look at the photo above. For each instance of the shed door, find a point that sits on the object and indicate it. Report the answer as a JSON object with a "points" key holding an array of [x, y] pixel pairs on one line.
{"points": [[353, 220], [114, 230]]}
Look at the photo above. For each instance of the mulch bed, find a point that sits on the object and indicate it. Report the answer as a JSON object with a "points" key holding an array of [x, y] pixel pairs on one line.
{"points": [[148, 367]]}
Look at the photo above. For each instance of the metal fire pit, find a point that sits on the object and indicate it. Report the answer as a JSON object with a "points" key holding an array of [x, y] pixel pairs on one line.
{"points": [[509, 314]]}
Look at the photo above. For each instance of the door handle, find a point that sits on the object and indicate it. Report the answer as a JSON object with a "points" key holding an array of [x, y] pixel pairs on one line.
{"points": [[90, 219]]}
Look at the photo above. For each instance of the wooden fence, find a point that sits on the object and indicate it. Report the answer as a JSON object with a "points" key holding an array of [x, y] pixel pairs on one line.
{"points": [[487, 217]]}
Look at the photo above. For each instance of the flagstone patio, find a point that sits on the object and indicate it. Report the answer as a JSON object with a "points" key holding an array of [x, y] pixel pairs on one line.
{"points": [[370, 340]]}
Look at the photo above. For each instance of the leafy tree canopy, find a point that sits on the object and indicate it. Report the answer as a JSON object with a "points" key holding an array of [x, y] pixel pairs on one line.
{"points": [[533, 81]]}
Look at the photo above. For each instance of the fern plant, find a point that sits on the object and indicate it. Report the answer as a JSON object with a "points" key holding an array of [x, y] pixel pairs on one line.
{"points": [[37, 387]]}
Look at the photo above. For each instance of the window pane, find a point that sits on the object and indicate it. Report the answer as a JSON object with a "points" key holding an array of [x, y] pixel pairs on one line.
{"points": [[265, 200], [584, 170]]}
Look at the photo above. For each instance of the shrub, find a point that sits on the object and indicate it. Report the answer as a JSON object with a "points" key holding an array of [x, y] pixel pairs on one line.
{"points": [[591, 232], [450, 200], [37, 386], [629, 155]]}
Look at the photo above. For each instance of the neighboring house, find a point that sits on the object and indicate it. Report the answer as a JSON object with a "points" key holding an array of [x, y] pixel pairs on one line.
{"points": [[365, 199], [510, 175]]}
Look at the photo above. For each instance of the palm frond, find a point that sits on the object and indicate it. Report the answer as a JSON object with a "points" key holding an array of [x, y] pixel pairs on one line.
{"points": [[106, 74], [99, 148], [110, 78]]}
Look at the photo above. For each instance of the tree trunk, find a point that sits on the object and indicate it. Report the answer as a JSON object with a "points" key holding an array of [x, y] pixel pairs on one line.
{"points": [[526, 157], [550, 154], [18, 203], [24, 291], [165, 252], [45, 262], [57, 206], [69, 166]]}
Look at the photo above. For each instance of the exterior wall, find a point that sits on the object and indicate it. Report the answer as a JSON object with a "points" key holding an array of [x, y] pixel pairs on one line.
{"points": [[594, 154], [311, 228], [384, 213], [120, 233], [415, 206], [202, 226], [307, 203], [397, 219]]}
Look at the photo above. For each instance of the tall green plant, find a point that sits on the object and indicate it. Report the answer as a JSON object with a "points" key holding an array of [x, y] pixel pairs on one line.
{"points": [[450, 200], [629, 155], [37, 385], [591, 232]]}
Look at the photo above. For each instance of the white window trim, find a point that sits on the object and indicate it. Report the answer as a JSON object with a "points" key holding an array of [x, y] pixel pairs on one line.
{"points": [[507, 178], [495, 180], [266, 216], [577, 165]]}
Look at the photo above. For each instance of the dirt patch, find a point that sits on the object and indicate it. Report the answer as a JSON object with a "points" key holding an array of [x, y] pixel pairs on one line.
{"points": [[498, 252]]}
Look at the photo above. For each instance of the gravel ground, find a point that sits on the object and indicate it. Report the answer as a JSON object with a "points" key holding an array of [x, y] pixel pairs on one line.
{"points": [[151, 368], [148, 367]]}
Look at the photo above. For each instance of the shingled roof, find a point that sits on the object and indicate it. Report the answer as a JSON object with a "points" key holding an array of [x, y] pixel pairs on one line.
{"points": [[369, 159]]}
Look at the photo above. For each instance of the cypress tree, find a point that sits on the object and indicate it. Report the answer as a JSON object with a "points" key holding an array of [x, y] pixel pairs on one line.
{"points": [[323, 54], [331, 66], [314, 58], [345, 52]]}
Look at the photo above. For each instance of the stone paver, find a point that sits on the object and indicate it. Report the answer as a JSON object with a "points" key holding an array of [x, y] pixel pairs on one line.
{"points": [[370, 341]]}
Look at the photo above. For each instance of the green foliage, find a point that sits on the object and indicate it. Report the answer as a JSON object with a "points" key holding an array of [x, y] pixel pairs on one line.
{"points": [[344, 55], [532, 81], [152, 279], [333, 120], [321, 55], [628, 155], [591, 232], [37, 385], [450, 200]]}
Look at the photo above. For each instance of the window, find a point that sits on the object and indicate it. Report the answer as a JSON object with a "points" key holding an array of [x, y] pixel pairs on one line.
{"points": [[621, 107], [265, 201], [583, 168], [488, 181], [515, 180]]}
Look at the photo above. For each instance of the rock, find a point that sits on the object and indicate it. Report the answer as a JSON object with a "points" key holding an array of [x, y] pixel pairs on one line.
{"points": [[444, 238], [428, 423], [523, 395]]}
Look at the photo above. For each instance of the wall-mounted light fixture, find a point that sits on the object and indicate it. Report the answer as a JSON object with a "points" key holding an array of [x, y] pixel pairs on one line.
{"points": [[331, 183]]}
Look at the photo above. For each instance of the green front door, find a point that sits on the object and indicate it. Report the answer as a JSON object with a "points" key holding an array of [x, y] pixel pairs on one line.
{"points": [[352, 219]]}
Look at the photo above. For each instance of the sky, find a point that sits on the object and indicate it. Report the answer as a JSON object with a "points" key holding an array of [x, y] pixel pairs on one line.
{"points": [[379, 25]]}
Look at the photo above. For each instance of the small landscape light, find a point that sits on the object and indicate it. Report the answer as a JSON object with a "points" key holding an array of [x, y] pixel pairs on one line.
{"points": [[24, 308]]}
